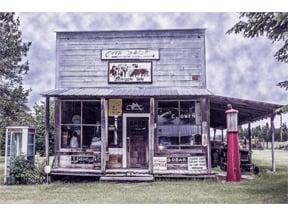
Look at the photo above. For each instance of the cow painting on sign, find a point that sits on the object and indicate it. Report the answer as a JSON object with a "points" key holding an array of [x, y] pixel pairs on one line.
{"points": [[130, 72]]}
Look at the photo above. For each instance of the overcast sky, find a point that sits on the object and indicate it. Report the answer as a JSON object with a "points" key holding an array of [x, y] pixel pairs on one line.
{"points": [[236, 67]]}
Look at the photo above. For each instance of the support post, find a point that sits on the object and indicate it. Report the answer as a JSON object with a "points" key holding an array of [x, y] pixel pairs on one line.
{"points": [[222, 135], [104, 135], [281, 128], [249, 137], [151, 133], [47, 129], [272, 143], [205, 110]]}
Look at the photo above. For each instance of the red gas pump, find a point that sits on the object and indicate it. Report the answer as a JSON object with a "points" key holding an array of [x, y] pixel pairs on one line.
{"points": [[233, 156]]}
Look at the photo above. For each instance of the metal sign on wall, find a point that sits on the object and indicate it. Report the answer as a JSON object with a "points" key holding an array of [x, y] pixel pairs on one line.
{"points": [[115, 107], [159, 163], [196, 163], [151, 54], [130, 72]]}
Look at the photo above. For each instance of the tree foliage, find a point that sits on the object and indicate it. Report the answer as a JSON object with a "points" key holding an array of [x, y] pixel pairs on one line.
{"points": [[13, 67], [274, 26]]}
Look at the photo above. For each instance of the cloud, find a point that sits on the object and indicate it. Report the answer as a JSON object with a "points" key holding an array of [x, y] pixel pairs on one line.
{"points": [[237, 67]]}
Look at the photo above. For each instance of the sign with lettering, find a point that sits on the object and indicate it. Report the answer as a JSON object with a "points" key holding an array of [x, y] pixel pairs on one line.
{"points": [[148, 54], [130, 72], [197, 163], [135, 106], [177, 160], [114, 107], [159, 163], [77, 159]]}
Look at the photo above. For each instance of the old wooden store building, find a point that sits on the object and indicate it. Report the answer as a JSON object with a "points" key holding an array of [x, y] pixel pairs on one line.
{"points": [[135, 104]]}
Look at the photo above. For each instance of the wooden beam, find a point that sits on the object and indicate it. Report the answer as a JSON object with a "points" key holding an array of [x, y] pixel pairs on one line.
{"points": [[249, 137], [151, 133], [47, 129], [272, 143], [104, 131], [281, 129], [205, 110]]}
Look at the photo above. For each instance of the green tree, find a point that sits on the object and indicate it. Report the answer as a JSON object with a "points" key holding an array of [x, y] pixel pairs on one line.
{"points": [[39, 110], [274, 26], [13, 67]]}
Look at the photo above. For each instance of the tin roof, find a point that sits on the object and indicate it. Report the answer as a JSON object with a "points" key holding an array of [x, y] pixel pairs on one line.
{"points": [[134, 91]]}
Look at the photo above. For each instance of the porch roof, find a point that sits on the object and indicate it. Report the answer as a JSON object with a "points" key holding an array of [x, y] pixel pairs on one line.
{"points": [[249, 110], [122, 92]]}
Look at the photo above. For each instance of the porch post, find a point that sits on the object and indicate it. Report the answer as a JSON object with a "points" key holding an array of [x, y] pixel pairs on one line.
{"points": [[222, 135], [104, 129], [281, 128], [205, 110], [272, 143], [47, 129], [249, 137], [214, 135], [151, 133]]}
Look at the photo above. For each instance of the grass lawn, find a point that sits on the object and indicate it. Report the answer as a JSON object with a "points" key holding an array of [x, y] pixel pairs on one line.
{"points": [[267, 188]]}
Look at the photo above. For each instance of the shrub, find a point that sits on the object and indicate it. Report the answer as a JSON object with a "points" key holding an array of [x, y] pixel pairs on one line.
{"points": [[22, 171]]}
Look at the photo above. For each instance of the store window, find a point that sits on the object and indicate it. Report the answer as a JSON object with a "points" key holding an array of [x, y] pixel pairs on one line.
{"points": [[178, 124], [80, 124]]}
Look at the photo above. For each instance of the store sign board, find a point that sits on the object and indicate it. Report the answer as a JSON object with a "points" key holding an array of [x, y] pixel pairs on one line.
{"points": [[146, 54], [82, 159], [197, 163], [135, 106], [130, 72], [114, 107], [159, 163]]}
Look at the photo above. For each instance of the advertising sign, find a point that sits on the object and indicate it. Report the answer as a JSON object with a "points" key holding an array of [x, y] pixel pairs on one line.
{"points": [[130, 72]]}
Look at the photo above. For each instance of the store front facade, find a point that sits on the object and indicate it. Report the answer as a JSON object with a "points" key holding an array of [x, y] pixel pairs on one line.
{"points": [[132, 101]]}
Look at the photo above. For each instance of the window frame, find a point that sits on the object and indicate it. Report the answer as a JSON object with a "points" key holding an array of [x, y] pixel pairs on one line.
{"points": [[179, 111], [81, 124]]}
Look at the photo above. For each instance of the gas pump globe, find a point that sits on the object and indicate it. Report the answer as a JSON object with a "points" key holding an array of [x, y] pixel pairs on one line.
{"points": [[20, 140]]}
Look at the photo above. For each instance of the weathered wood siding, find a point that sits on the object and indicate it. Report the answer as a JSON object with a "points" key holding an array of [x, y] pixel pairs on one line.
{"points": [[182, 54]]}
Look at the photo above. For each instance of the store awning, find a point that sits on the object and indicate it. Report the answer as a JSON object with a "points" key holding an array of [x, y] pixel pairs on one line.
{"points": [[127, 92], [249, 110]]}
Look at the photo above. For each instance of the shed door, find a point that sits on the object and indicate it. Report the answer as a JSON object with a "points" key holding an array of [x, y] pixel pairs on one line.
{"points": [[137, 142]]}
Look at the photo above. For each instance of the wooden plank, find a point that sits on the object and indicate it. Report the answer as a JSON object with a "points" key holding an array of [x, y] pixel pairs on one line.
{"points": [[151, 133], [47, 128], [127, 178], [272, 143], [57, 127], [104, 135]]}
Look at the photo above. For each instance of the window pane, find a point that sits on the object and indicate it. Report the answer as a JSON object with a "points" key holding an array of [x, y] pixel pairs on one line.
{"points": [[71, 112], [187, 112], [188, 133], [168, 112], [91, 112], [91, 135], [30, 150], [70, 136], [168, 135], [30, 139]]}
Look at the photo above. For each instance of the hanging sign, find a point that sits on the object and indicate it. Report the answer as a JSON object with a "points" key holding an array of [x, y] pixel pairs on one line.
{"points": [[159, 163], [197, 163], [114, 107], [151, 54], [130, 72]]}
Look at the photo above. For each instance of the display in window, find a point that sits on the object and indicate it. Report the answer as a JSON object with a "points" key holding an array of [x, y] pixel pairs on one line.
{"points": [[71, 112], [91, 137], [70, 136], [168, 113]]}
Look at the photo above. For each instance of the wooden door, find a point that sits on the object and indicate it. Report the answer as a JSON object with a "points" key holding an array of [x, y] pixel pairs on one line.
{"points": [[137, 142]]}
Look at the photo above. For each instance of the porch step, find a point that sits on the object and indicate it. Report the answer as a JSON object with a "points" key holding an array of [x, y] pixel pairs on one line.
{"points": [[143, 178]]}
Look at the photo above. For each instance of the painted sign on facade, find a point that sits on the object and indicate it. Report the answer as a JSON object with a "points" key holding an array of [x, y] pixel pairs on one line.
{"points": [[151, 54], [159, 163], [135, 106], [197, 163], [130, 72], [114, 107]]}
